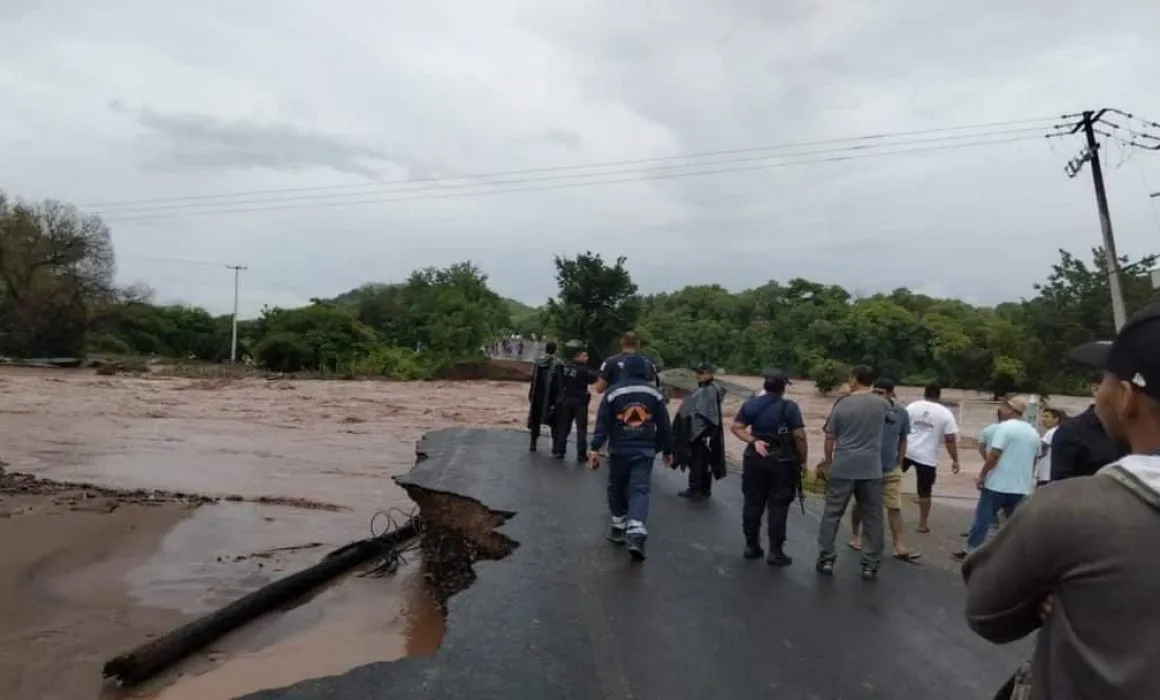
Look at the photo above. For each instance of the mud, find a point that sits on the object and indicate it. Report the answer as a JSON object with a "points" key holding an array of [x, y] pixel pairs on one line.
{"points": [[459, 532]]}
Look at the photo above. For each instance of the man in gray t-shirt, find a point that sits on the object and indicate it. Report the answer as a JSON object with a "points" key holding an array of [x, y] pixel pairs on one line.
{"points": [[853, 468]]}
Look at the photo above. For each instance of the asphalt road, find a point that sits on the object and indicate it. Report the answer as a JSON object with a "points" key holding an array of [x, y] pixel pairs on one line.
{"points": [[569, 616]]}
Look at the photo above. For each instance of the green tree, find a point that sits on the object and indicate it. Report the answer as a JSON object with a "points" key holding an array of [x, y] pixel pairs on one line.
{"points": [[596, 302]]}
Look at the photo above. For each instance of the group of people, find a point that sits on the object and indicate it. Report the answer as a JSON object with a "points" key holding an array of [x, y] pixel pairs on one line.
{"points": [[1082, 500]]}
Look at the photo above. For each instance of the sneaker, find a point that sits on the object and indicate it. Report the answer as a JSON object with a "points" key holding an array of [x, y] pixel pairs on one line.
{"points": [[557, 455], [778, 558], [869, 573], [616, 534], [825, 567], [635, 546], [753, 552]]}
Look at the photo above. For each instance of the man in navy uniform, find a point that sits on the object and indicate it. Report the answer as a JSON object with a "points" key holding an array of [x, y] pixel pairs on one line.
{"points": [[611, 368], [573, 404], [634, 421]]}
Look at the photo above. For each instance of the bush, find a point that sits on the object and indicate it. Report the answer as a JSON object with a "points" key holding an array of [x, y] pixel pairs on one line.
{"points": [[829, 375], [395, 363], [283, 352]]}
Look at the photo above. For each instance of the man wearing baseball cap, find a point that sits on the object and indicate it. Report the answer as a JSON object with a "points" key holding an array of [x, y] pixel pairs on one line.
{"points": [[1076, 560]]}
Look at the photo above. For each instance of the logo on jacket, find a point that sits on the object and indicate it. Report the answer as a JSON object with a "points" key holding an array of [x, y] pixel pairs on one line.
{"points": [[634, 415]]}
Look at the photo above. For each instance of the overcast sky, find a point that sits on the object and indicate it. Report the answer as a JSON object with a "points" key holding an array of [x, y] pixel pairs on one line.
{"points": [[376, 104]]}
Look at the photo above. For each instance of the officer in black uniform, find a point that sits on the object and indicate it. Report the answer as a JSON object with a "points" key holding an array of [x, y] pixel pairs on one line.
{"points": [[573, 405], [771, 466], [611, 368]]}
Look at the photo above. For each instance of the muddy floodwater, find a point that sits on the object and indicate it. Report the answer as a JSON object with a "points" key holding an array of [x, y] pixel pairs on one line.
{"points": [[331, 445]]}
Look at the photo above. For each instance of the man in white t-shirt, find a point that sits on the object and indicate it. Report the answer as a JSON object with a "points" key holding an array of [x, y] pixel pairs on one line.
{"points": [[1052, 417], [931, 425]]}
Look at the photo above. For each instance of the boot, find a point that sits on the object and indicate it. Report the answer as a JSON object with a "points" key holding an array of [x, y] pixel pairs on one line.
{"points": [[778, 557], [635, 546], [616, 531], [532, 444], [753, 551]]}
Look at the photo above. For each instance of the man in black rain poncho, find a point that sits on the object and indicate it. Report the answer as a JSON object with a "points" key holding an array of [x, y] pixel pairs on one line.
{"points": [[543, 393], [699, 435]]}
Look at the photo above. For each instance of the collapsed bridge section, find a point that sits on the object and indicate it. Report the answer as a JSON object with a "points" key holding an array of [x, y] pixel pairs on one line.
{"points": [[538, 605]]}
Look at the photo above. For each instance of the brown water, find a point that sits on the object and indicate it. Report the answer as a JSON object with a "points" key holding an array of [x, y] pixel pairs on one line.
{"points": [[335, 443]]}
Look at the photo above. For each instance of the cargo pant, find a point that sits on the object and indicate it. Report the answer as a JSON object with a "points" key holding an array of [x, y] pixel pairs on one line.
{"points": [[629, 485], [768, 486]]}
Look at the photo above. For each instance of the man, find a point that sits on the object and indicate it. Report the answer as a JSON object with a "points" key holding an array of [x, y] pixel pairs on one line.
{"points": [[634, 420], [931, 424], [1052, 417], [1076, 562], [776, 448], [1007, 475], [543, 393], [612, 367], [852, 467], [894, 435], [573, 407], [1081, 446], [699, 435]]}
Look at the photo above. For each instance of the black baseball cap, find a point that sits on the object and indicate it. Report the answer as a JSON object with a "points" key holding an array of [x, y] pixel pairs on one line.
{"points": [[774, 379], [704, 368], [884, 383], [1134, 354]]}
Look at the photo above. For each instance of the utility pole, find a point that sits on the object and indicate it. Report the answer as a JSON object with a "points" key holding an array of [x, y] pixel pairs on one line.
{"points": [[234, 336], [1092, 155]]}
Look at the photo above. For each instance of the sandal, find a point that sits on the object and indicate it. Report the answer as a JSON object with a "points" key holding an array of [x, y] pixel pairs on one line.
{"points": [[908, 557]]}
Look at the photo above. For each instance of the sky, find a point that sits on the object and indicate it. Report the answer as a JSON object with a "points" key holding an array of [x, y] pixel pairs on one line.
{"points": [[325, 145]]}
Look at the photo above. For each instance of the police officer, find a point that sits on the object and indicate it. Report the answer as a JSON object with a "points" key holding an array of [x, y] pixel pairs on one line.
{"points": [[611, 368], [573, 406], [633, 420], [771, 466]]}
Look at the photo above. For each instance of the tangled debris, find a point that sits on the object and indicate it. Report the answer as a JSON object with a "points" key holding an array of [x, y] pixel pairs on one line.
{"points": [[459, 532], [89, 497]]}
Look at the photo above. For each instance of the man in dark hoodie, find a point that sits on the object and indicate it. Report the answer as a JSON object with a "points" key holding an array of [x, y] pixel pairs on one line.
{"points": [[699, 435], [543, 392], [634, 422], [1075, 561]]}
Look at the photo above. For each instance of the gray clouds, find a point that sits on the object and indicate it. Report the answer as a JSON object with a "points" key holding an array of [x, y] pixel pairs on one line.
{"points": [[222, 97]]}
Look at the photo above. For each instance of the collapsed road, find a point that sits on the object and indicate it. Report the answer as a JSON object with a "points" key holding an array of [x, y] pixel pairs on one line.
{"points": [[539, 605]]}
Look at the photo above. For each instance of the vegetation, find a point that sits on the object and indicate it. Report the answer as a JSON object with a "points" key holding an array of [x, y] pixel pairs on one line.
{"points": [[57, 298]]}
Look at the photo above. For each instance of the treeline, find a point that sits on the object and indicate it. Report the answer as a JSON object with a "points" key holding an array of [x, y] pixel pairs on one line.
{"points": [[58, 299]]}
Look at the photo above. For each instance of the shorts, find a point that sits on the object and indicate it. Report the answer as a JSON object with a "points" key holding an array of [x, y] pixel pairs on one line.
{"points": [[924, 476], [892, 490]]}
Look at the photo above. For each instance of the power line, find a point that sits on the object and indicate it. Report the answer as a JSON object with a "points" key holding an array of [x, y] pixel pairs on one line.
{"points": [[539, 183], [1041, 121]]}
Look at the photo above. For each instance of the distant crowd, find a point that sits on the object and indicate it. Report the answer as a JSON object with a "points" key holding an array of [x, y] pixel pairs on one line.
{"points": [[1081, 501]]}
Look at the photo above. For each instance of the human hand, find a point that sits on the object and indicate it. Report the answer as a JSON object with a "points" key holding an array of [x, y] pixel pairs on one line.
{"points": [[593, 460], [955, 467], [761, 447], [1046, 607], [668, 460], [821, 470], [979, 483]]}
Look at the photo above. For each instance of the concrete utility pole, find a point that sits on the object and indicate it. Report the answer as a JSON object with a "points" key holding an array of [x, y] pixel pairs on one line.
{"points": [[1092, 155], [234, 336]]}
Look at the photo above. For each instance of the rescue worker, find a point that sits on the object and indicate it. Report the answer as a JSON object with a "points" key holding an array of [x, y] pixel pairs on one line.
{"points": [[543, 393], [699, 435], [771, 467], [612, 367], [633, 420], [573, 405]]}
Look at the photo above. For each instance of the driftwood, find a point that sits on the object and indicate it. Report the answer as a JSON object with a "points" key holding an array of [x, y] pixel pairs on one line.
{"points": [[155, 656]]}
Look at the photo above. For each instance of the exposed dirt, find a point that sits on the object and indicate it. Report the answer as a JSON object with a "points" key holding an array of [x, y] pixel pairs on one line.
{"points": [[459, 532]]}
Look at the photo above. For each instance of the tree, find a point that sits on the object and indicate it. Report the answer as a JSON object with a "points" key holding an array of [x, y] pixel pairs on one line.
{"points": [[55, 264], [596, 302]]}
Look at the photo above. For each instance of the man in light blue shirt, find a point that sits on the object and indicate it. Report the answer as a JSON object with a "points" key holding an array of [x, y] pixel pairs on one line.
{"points": [[1008, 473]]}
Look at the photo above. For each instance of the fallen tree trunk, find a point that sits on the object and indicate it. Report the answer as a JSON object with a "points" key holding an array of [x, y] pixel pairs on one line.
{"points": [[153, 657]]}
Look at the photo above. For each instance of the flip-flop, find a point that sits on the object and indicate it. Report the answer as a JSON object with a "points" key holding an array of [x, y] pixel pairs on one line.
{"points": [[908, 557]]}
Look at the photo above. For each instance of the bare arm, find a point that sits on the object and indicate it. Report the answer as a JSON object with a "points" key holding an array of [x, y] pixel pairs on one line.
{"points": [[802, 444], [952, 443], [989, 463], [741, 431], [901, 449], [828, 448]]}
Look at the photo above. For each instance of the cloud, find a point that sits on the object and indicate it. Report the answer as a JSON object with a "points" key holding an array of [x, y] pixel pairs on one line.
{"points": [[335, 117]]}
